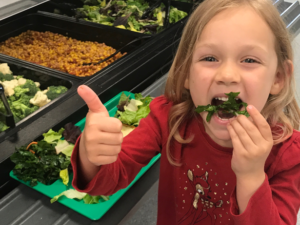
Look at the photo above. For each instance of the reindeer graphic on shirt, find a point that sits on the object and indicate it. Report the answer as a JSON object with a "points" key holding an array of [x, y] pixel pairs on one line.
{"points": [[201, 206]]}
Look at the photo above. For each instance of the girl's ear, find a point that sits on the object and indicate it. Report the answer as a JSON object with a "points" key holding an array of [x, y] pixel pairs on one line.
{"points": [[280, 80], [186, 83]]}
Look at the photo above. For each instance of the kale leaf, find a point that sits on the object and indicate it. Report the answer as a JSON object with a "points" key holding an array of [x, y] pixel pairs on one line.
{"points": [[39, 163], [230, 106]]}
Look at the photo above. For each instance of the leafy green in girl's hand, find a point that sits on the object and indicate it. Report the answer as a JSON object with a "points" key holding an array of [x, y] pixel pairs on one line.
{"points": [[229, 106]]}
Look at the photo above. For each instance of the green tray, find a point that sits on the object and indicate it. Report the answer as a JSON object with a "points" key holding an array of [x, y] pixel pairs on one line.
{"points": [[95, 211]]}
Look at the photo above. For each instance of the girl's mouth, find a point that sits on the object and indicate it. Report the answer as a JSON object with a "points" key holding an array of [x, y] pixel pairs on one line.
{"points": [[223, 114]]}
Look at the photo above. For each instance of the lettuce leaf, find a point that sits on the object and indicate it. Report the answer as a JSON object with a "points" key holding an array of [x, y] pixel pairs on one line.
{"points": [[52, 137], [64, 175], [133, 105], [133, 112], [71, 193], [64, 147], [230, 106], [88, 199], [71, 133]]}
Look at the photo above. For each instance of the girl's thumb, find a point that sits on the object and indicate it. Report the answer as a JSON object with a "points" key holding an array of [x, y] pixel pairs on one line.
{"points": [[92, 100]]}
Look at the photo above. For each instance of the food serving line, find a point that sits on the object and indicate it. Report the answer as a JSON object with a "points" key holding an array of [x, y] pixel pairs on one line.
{"points": [[142, 69]]}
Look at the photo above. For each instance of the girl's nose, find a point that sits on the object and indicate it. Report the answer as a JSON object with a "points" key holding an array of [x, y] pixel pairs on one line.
{"points": [[227, 74]]}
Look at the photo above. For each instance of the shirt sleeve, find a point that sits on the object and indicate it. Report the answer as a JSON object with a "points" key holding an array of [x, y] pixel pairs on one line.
{"points": [[138, 148], [277, 201]]}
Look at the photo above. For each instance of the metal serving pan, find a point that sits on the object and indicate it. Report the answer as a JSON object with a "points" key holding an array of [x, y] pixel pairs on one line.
{"points": [[116, 38], [46, 79]]}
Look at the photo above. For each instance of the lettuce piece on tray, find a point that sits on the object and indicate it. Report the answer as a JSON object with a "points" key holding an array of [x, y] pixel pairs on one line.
{"points": [[131, 111]]}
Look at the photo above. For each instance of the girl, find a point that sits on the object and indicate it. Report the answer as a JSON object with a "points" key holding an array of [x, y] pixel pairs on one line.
{"points": [[234, 170]]}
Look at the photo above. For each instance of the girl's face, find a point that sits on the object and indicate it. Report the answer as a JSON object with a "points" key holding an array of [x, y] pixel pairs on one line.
{"points": [[235, 53]]}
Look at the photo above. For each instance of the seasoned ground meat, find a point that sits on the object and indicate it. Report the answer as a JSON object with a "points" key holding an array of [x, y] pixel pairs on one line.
{"points": [[59, 52]]}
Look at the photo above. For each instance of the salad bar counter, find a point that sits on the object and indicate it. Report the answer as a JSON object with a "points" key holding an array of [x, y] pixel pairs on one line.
{"points": [[117, 48]]}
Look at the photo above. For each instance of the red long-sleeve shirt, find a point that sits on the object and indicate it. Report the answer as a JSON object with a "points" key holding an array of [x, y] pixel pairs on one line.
{"points": [[202, 190]]}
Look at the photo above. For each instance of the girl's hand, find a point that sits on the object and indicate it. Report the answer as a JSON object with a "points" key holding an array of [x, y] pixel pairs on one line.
{"points": [[252, 143], [101, 139]]}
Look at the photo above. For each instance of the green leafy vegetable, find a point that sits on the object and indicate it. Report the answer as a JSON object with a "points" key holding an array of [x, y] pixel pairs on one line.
{"points": [[128, 14], [71, 133], [64, 175], [131, 111], [71, 193], [3, 126], [52, 137], [39, 163], [88, 199], [230, 106], [176, 15], [64, 147]]}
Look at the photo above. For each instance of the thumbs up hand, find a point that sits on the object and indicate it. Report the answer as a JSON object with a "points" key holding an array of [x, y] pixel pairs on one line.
{"points": [[101, 139]]}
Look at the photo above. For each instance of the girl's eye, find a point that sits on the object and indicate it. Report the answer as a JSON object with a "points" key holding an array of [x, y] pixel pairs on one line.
{"points": [[250, 61], [209, 59]]}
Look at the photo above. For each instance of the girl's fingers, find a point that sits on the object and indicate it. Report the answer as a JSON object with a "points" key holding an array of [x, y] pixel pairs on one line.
{"points": [[237, 144], [242, 135], [260, 123], [106, 150], [251, 130]]}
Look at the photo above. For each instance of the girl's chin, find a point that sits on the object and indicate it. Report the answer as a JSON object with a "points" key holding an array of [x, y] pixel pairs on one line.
{"points": [[222, 135], [218, 134]]}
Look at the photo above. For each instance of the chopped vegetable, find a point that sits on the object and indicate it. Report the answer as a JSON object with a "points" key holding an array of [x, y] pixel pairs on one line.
{"points": [[32, 143], [23, 95], [64, 175], [71, 193], [126, 129], [3, 126], [88, 199], [64, 147], [33, 89], [71, 133], [52, 137], [131, 111], [40, 99], [44, 165], [5, 77], [127, 14], [59, 52], [5, 70], [229, 107], [53, 91]]}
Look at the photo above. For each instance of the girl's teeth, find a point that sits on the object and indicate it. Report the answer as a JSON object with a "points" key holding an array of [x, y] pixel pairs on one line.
{"points": [[222, 119], [222, 98]]}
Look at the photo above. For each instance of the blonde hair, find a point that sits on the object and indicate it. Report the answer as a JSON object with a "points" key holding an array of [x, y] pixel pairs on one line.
{"points": [[281, 111]]}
